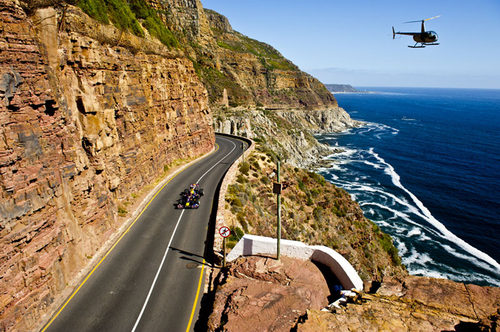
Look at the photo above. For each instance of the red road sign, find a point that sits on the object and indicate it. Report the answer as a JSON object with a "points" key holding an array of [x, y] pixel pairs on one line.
{"points": [[224, 231]]}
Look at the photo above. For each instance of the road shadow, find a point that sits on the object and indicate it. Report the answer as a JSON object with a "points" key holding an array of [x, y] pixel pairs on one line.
{"points": [[207, 301]]}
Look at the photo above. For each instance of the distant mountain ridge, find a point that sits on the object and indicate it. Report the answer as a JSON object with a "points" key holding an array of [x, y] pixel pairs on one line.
{"points": [[341, 88]]}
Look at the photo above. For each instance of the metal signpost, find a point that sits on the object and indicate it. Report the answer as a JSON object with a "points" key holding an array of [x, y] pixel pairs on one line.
{"points": [[224, 231], [277, 187]]}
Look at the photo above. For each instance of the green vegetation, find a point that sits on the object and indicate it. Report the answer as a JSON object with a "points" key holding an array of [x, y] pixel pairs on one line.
{"points": [[125, 14], [153, 23], [122, 211], [244, 168], [117, 12], [215, 82], [236, 235], [269, 56], [386, 242], [96, 9], [313, 211]]}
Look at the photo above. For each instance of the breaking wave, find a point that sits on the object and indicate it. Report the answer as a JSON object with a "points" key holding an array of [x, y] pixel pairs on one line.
{"points": [[427, 247]]}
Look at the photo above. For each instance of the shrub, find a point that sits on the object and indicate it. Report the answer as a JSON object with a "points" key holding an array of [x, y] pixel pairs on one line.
{"points": [[241, 179], [386, 243], [241, 217], [122, 211], [255, 165], [317, 177], [301, 185], [309, 201], [244, 168], [317, 213], [236, 235], [314, 192]]}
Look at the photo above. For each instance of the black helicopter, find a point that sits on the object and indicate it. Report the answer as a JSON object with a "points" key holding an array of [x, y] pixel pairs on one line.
{"points": [[424, 38]]}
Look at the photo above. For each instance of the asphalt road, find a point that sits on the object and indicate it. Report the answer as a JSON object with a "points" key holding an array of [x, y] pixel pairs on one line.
{"points": [[150, 280]]}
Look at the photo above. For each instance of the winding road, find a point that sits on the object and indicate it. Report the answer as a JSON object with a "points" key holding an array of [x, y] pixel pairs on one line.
{"points": [[151, 279]]}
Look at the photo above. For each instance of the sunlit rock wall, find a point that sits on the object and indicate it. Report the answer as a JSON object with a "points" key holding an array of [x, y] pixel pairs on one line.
{"points": [[88, 116]]}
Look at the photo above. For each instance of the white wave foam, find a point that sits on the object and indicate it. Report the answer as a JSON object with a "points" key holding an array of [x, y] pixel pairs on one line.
{"points": [[455, 275], [428, 273], [414, 231], [471, 259], [376, 166], [416, 258], [402, 249], [426, 215]]}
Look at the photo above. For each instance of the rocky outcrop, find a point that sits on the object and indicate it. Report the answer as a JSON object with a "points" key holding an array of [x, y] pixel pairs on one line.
{"points": [[289, 133], [313, 211], [414, 304], [89, 115], [265, 294], [261, 293]]}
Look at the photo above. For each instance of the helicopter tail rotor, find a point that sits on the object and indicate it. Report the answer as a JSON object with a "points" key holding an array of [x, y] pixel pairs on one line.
{"points": [[393, 33]]}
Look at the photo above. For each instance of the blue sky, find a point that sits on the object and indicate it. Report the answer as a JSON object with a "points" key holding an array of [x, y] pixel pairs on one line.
{"points": [[351, 41]]}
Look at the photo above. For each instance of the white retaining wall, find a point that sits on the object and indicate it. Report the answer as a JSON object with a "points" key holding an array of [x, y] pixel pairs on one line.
{"points": [[343, 270]]}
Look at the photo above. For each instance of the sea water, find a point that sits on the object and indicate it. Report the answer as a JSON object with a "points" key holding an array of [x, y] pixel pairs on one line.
{"points": [[426, 168]]}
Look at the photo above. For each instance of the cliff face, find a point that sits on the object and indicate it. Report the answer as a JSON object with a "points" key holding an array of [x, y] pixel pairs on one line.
{"points": [[89, 115], [248, 72]]}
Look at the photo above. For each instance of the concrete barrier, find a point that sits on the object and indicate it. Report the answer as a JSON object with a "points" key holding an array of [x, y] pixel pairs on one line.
{"points": [[254, 245]]}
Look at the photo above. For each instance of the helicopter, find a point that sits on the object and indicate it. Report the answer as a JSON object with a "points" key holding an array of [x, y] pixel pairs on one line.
{"points": [[424, 38]]}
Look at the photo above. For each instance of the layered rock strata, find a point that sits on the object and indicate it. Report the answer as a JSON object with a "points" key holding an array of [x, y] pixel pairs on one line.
{"points": [[88, 115]]}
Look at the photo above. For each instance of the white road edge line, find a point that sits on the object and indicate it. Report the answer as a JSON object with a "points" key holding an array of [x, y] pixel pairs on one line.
{"points": [[170, 242], [234, 147]]}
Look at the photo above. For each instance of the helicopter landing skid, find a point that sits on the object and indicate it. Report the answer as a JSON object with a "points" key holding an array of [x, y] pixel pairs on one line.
{"points": [[422, 45]]}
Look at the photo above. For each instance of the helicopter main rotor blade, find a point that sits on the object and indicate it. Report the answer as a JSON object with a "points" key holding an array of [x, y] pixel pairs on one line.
{"points": [[431, 18], [425, 19]]}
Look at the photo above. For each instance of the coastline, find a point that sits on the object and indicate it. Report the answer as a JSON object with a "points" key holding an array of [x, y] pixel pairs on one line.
{"points": [[308, 152], [442, 304], [371, 168]]}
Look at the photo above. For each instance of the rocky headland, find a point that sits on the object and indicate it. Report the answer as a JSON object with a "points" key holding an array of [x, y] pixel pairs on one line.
{"points": [[340, 88]]}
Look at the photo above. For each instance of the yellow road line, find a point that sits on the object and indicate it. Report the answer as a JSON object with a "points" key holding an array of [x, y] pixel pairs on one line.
{"points": [[197, 295], [117, 241]]}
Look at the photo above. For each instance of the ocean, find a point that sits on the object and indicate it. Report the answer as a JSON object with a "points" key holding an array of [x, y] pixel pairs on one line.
{"points": [[426, 169]]}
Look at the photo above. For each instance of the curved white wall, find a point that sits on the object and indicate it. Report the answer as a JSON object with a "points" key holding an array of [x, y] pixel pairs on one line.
{"points": [[343, 270]]}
